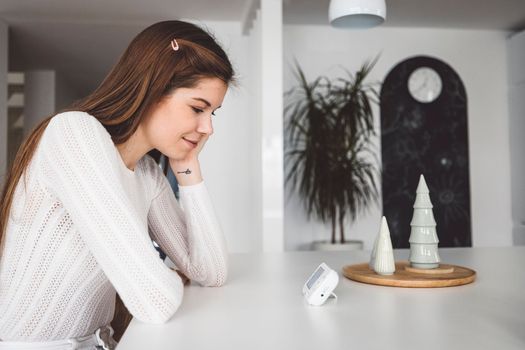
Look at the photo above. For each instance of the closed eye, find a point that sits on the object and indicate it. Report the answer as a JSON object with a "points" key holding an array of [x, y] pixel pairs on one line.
{"points": [[198, 110]]}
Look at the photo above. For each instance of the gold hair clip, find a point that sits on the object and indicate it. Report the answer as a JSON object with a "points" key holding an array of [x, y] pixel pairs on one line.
{"points": [[174, 45]]}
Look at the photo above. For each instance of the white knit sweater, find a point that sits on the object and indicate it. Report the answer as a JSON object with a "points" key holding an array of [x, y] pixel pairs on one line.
{"points": [[78, 232]]}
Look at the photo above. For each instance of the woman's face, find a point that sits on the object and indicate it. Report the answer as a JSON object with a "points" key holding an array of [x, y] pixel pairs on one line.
{"points": [[182, 121]]}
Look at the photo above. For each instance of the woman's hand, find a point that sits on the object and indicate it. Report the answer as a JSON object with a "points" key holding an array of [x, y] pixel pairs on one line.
{"points": [[193, 154], [187, 170]]}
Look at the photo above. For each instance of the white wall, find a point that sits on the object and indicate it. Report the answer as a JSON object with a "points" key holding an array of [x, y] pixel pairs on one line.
{"points": [[3, 98], [252, 85], [479, 57], [39, 97], [229, 158], [64, 93], [244, 163], [271, 79], [516, 60]]}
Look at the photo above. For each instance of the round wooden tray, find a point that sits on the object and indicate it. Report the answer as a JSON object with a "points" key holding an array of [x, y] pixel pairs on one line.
{"points": [[403, 277]]}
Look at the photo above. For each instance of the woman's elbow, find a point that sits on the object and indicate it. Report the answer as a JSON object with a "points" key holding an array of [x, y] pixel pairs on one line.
{"points": [[221, 279], [217, 279]]}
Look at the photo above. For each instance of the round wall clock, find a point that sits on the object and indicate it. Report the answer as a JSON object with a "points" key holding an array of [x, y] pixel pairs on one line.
{"points": [[424, 84]]}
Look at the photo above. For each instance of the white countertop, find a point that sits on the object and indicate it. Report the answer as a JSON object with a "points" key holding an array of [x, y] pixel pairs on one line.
{"points": [[261, 307]]}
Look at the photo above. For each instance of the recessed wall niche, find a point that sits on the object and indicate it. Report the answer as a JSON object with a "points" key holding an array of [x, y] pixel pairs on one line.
{"points": [[424, 131]]}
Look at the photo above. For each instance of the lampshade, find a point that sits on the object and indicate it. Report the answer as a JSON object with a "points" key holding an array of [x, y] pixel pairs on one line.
{"points": [[356, 13]]}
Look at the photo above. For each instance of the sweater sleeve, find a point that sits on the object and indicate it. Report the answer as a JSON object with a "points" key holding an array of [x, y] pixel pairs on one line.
{"points": [[82, 167], [189, 233]]}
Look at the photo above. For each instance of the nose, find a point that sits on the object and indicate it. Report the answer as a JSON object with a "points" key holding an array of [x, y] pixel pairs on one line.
{"points": [[205, 125]]}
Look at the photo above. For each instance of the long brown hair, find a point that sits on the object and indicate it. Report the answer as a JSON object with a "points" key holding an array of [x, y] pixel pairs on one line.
{"points": [[148, 70]]}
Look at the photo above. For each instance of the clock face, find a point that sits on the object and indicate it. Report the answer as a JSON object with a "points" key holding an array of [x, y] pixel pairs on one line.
{"points": [[424, 84]]}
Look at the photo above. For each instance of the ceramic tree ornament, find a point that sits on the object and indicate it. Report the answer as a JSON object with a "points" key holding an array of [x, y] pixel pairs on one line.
{"points": [[384, 263], [423, 236]]}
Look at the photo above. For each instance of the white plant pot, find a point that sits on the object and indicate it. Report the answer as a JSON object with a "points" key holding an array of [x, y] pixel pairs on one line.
{"points": [[347, 246]]}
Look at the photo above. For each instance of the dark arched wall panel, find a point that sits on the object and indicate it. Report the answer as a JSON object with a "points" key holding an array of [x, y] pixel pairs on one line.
{"points": [[424, 131]]}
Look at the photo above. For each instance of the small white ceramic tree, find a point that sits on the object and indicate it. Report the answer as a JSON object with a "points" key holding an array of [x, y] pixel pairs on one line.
{"points": [[384, 263], [423, 237]]}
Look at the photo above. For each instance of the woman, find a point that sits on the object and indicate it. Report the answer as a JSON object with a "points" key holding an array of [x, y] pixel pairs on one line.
{"points": [[83, 198]]}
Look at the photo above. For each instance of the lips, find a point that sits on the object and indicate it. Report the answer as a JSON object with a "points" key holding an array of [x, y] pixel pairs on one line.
{"points": [[191, 142]]}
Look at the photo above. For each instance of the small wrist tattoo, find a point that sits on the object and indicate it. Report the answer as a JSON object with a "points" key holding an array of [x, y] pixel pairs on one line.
{"points": [[187, 172]]}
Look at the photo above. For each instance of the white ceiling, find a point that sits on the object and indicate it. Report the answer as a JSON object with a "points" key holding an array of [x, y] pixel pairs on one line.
{"points": [[87, 36], [123, 10], [466, 14], [479, 14]]}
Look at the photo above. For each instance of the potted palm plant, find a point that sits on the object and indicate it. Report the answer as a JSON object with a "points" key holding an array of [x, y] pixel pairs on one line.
{"points": [[329, 158]]}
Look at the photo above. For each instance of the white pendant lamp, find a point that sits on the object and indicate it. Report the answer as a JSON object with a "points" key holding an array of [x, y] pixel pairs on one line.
{"points": [[356, 13]]}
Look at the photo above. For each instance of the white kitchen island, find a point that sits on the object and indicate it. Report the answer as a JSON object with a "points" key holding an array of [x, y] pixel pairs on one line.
{"points": [[262, 307]]}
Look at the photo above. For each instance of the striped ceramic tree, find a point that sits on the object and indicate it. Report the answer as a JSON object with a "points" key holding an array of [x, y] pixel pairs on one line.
{"points": [[423, 236]]}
